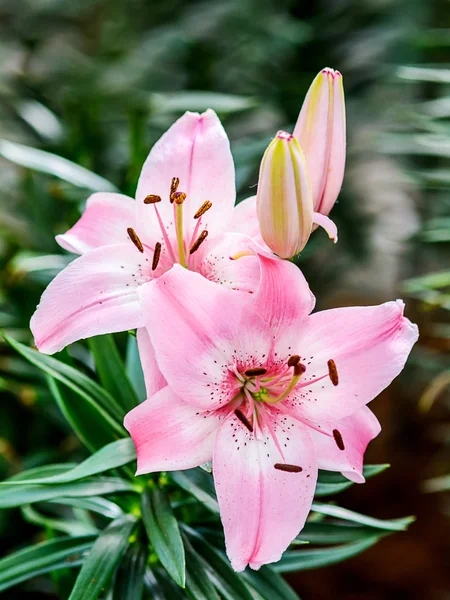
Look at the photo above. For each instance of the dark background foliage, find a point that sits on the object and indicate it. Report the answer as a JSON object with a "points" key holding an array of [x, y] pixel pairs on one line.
{"points": [[97, 82]]}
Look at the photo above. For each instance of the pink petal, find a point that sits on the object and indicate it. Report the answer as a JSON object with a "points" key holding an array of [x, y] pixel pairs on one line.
{"points": [[95, 294], [357, 431], [326, 224], [262, 508], [245, 220], [199, 329], [154, 379], [369, 346], [170, 434], [283, 296], [195, 149], [104, 221], [230, 260]]}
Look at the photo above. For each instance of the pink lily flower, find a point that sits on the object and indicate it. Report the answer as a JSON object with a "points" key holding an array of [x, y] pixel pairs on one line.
{"points": [[267, 391], [183, 214], [321, 133]]}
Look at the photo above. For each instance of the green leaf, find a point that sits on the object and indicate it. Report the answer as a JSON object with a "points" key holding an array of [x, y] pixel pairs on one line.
{"points": [[201, 101], [106, 553], [71, 527], [41, 472], [436, 74], [199, 484], [349, 515], [164, 534], [329, 482], [43, 558], [38, 160], [110, 457], [102, 506], [129, 583], [438, 484], [111, 371], [333, 533], [161, 586], [13, 495], [303, 560], [134, 368], [198, 584], [78, 382], [228, 583], [269, 585]]}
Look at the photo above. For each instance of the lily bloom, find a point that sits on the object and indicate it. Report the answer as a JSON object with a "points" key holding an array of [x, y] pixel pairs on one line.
{"points": [[284, 200], [182, 214], [267, 391], [320, 131]]}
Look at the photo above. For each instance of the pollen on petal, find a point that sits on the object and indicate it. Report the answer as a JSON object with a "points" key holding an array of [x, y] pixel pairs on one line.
{"points": [[135, 239], [338, 439], [255, 372], [243, 419], [288, 468], [332, 372]]}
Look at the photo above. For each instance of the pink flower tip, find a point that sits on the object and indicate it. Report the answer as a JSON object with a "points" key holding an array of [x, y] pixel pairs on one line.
{"points": [[284, 135], [331, 72]]}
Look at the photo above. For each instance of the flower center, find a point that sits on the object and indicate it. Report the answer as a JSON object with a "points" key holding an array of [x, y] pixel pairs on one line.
{"points": [[182, 252]]}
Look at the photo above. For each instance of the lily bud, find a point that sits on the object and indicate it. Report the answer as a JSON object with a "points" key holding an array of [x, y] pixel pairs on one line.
{"points": [[284, 199], [320, 131]]}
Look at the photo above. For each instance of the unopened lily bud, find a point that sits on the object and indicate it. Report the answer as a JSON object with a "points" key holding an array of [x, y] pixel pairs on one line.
{"points": [[284, 199], [320, 131]]}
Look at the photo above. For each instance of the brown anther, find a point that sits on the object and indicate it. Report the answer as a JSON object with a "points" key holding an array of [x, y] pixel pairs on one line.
{"points": [[178, 197], [174, 186], [299, 369], [243, 419], [156, 255], [338, 439], [198, 242], [152, 199], [288, 468], [332, 372], [255, 372], [203, 208], [135, 239], [293, 360]]}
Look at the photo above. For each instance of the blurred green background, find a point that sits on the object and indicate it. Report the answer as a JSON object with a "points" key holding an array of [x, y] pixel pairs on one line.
{"points": [[96, 82]]}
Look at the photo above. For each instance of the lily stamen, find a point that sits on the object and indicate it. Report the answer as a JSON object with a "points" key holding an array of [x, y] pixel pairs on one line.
{"points": [[203, 208], [135, 239], [293, 360], [338, 439], [255, 372], [243, 419], [152, 199], [174, 187], [156, 256], [199, 241], [332, 372], [287, 468]]}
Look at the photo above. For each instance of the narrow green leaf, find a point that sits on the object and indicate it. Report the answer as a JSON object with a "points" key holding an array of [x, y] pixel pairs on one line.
{"points": [[71, 527], [198, 584], [333, 533], [110, 457], [12, 495], [41, 472], [39, 160], [164, 534], [349, 515], [129, 583], [438, 484], [161, 586], [199, 484], [78, 382], [111, 371], [201, 101], [102, 506], [303, 560], [330, 482], [43, 558], [134, 368], [228, 583], [99, 565], [269, 584]]}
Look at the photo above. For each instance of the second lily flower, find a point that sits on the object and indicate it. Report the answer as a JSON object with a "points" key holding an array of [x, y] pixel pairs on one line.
{"points": [[301, 174]]}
